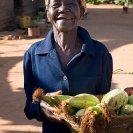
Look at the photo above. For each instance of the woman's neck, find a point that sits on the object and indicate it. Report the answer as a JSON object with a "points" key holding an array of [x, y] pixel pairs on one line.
{"points": [[66, 40]]}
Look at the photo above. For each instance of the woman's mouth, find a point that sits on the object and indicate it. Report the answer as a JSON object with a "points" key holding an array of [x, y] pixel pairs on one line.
{"points": [[64, 18]]}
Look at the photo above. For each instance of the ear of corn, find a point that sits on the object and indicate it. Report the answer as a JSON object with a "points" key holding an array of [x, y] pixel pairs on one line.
{"points": [[96, 109], [48, 100], [82, 101], [115, 99], [130, 100], [71, 109], [126, 109], [61, 98], [55, 100], [104, 97], [81, 112]]}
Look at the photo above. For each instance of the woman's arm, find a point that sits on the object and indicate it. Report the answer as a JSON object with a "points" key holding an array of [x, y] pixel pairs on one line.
{"points": [[106, 78], [32, 110]]}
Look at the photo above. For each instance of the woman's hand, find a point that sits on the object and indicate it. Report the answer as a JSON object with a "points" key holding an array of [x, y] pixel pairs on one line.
{"points": [[48, 111], [54, 93], [129, 90]]}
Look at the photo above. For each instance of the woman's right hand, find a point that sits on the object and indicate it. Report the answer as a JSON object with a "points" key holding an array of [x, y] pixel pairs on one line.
{"points": [[48, 111]]}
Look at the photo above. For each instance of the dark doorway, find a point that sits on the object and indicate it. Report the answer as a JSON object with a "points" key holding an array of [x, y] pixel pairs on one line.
{"points": [[18, 7]]}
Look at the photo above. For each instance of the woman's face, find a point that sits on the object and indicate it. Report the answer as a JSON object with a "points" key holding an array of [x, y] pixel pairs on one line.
{"points": [[64, 14]]}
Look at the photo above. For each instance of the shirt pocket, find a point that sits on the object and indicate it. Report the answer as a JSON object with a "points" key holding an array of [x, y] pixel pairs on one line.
{"points": [[88, 84]]}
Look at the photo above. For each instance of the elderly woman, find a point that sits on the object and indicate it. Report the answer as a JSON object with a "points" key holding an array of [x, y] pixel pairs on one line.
{"points": [[67, 60]]}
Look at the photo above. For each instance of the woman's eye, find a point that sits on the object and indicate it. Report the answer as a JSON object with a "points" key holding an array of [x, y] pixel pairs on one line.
{"points": [[70, 4], [55, 5]]}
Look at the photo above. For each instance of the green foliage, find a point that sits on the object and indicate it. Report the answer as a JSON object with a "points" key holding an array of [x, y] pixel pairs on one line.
{"points": [[117, 2], [40, 16], [34, 23]]}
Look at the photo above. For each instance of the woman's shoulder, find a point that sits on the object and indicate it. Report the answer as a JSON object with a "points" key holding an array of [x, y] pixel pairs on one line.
{"points": [[35, 45], [101, 49], [85, 36], [41, 44], [99, 45]]}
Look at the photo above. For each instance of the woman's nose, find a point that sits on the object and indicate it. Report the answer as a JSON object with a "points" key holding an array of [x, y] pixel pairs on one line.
{"points": [[63, 8]]}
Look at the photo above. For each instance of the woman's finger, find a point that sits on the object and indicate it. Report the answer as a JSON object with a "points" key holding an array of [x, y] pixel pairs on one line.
{"points": [[46, 106], [54, 93], [129, 90], [48, 112], [53, 117]]}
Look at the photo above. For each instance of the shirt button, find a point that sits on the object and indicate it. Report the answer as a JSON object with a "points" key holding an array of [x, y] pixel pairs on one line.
{"points": [[51, 55], [64, 77]]}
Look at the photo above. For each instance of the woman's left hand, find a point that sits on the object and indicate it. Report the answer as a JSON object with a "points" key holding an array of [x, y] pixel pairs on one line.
{"points": [[48, 112]]}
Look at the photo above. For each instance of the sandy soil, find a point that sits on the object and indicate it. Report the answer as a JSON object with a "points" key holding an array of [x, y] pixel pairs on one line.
{"points": [[106, 23]]}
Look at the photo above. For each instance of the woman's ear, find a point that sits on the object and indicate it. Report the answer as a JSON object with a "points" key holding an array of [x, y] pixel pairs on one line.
{"points": [[82, 11], [48, 19]]}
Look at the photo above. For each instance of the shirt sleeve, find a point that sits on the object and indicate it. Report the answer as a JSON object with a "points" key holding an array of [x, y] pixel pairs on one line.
{"points": [[106, 78], [31, 110]]}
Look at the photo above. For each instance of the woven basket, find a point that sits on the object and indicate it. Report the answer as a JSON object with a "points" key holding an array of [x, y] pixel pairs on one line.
{"points": [[121, 124], [118, 124]]}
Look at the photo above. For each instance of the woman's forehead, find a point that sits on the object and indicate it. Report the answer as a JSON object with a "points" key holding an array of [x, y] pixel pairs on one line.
{"points": [[62, 0], [48, 1], [82, 2]]}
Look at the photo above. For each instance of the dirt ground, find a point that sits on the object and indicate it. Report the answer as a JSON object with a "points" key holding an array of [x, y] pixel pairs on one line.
{"points": [[106, 23]]}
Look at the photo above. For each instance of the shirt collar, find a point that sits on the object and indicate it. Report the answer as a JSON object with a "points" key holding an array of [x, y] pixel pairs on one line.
{"points": [[87, 47], [47, 44], [87, 42]]}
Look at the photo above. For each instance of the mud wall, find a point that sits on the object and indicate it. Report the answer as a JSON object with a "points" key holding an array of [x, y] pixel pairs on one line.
{"points": [[6, 12], [9, 12]]}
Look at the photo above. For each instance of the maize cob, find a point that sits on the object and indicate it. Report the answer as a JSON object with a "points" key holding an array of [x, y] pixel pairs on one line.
{"points": [[96, 109], [82, 101], [115, 99], [48, 100], [130, 100], [126, 109], [71, 109], [81, 112], [57, 99]]}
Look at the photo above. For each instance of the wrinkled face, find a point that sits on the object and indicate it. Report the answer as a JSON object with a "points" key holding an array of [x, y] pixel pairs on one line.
{"points": [[64, 14]]}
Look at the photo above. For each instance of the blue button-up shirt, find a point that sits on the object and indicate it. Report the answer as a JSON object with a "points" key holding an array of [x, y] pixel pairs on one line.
{"points": [[90, 71]]}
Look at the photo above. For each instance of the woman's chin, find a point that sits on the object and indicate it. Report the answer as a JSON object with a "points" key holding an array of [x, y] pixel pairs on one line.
{"points": [[64, 26], [64, 29]]}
